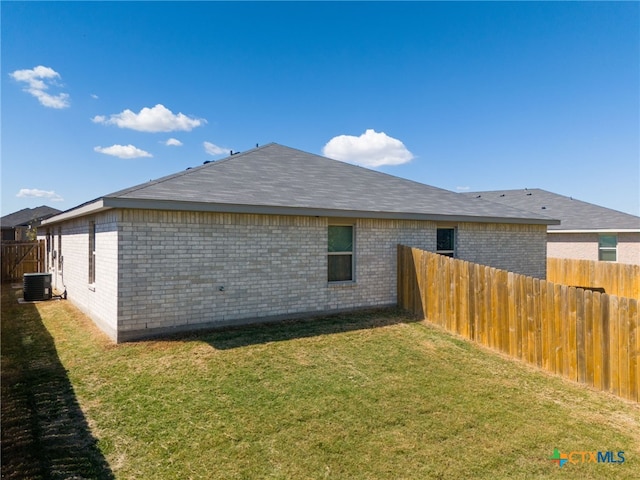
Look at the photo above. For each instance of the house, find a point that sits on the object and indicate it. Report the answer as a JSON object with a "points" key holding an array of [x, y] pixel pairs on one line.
{"points": [[267, 234], [16, 226], [586, 231]]}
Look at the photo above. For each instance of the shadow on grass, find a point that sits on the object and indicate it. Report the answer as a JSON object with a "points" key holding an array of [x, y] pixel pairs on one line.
{"points": [[241, 336], [44, 432]]}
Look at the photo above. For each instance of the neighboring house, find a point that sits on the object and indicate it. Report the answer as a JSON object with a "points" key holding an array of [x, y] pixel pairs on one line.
{"points": [[586, 231], [16, 226], [270, 233]]}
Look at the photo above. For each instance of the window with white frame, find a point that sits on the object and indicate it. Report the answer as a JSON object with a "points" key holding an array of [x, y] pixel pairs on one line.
{"points": [[446, 241], [92, 252], [48, 256], [59, 248], [607, 248], [340, 253]]}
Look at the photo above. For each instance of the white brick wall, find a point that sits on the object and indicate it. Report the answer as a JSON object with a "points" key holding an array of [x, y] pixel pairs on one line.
{"points": [[173, 264], [99, 301], [517, 248], [159, 271]]}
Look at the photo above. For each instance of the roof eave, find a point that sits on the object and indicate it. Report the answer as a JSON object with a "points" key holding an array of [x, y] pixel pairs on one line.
{"points": [[309, 211], [107, 203], [81, 211]]}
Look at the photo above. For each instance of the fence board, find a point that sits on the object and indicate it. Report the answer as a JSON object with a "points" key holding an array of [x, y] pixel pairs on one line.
{"points": [[606, 368], [634, 342], [581, 346], [589, 353], [479, 303], [503, 310], [614, 362], [523, 322], [623, 346], [598, 342], [513, 327], [537, 319], [558, 327], [488, 309], [463, 315], [494, 312], [449, 318], [586, 336], [546, 289]]}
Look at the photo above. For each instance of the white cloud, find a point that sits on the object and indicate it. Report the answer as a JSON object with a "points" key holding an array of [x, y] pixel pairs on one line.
{"points": [[173, 142], [212, 149], [371, 149], [94, 96], [463, 189], [156, 119], [123, 151], [38, 80], [35, 193]]}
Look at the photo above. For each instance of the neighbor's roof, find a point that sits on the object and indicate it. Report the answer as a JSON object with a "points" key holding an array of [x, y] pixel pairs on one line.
{"points": [[575, 215], [274, 179], [27, 215]]}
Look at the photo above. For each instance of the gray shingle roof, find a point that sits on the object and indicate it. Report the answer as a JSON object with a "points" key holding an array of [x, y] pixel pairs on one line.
{"points": [[27, 215], [277, 179], [573, 214]]}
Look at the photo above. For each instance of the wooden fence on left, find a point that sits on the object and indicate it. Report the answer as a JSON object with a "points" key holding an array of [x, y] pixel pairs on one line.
{"points": [[585, 336], [19, 258]]}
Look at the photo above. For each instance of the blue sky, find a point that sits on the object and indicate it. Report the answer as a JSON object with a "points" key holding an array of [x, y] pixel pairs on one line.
{"points": [[464, 96]]}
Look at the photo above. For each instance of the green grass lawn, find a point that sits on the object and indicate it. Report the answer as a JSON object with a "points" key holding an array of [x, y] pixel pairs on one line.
{"points": [[366, 396]]}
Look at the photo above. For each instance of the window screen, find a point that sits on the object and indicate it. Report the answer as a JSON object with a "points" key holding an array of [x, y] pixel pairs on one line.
{"points": [[340, 253]]}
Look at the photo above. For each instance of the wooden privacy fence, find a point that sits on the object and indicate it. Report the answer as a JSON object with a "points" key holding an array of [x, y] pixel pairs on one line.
{"points": [[19, 258], [585, 336], [618, 279]]}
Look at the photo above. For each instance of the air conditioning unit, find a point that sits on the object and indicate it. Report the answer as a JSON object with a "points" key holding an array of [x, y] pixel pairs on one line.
{"points": [[36, 286]]}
